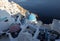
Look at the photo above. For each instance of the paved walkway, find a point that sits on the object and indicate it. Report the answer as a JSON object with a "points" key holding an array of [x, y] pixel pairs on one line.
{"points": [[4, 39]]}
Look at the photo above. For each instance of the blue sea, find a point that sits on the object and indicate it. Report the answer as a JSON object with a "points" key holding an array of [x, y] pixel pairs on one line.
{"points": [[47, 10]]}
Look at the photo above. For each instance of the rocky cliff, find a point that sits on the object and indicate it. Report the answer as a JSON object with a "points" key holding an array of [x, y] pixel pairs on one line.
{"points": [[11, 7]]}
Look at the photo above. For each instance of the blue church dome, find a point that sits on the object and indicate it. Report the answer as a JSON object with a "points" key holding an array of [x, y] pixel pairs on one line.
{"points": [[32, 17]]}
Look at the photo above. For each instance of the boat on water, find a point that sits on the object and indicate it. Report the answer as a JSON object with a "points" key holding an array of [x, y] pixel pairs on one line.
{"points": [[18, 24]]}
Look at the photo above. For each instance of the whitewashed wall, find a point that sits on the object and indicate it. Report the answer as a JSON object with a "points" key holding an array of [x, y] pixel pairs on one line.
{"points": [[5, 25]]}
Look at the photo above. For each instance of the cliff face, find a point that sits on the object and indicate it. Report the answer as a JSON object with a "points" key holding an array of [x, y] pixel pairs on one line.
{"points": [[11, 7], [6, 10]]}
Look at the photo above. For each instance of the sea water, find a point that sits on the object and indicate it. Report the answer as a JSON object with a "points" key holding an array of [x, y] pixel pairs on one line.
{"points": [[46, 9]]}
